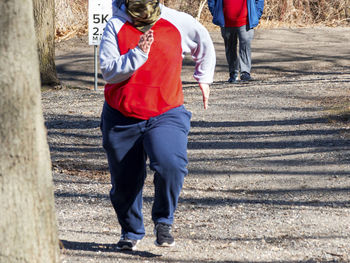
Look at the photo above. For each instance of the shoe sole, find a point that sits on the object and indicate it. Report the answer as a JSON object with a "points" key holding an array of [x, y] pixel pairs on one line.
{"points": [[233, 80], [128, 248], [164, 244]]}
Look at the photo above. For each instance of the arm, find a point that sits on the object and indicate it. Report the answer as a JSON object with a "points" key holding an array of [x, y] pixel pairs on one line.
{"points": [[116, 68], [204, 56], [195, 39], [203, 53], [198, 41]]}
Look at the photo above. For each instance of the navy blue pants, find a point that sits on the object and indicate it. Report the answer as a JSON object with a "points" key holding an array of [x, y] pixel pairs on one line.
{"points": [[128, 142]]}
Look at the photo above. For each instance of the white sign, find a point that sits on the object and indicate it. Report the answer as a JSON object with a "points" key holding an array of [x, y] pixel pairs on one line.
{"points": [[100, 11]]}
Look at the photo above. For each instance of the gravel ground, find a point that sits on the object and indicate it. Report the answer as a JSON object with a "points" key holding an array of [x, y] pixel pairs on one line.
{"points": [[269, 171]]}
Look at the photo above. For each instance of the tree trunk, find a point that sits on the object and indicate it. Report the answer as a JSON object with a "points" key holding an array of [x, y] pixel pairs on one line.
{"points": [[44, 18], [288, 11], [200, 9], [28, 223]]}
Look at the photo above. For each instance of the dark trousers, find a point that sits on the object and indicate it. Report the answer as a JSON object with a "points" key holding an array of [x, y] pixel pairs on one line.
{"points": [[243, 61], [128, 142]]}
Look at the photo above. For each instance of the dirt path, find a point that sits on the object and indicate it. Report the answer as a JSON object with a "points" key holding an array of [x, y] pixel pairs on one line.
{"points": [[269, 174]]}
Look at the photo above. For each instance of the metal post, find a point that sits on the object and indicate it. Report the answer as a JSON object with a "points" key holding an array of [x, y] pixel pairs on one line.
{"points": [[95, 62]]}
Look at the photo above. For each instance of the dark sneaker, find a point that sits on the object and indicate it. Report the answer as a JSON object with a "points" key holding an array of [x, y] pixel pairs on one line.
{"points": [[127, 244], [163, 235], [233, 78], [245, 76]]}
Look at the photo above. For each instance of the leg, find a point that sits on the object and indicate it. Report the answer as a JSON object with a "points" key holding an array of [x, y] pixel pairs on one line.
{"points": [[166, 145], [229, 34], [245, 35], [127, 173], [127, 179]]}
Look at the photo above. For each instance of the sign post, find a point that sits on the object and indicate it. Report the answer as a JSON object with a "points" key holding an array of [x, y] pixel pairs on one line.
{"points": [[100, 11]]}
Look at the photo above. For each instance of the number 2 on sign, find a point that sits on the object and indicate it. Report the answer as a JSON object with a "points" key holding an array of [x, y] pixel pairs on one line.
{"points": [[96, 31]]}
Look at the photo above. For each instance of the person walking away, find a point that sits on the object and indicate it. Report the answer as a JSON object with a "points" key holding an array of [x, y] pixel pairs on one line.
{"points": [[237, 19], [143, 116]]}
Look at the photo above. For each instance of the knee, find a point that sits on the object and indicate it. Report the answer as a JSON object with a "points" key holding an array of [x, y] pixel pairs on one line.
{"points": [[245, 41], [170, 165]]}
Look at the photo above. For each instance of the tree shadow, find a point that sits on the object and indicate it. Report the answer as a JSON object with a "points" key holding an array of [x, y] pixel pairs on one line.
{"points": [[105, 249], [207, 201]]}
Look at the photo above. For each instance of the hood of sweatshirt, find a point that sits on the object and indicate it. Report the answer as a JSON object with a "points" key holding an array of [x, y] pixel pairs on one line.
{"points": [[119, 9]]}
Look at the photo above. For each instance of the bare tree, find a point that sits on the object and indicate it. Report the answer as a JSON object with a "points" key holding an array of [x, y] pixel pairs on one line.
{"points": [[28, 224], [44, 17], [200, 9]]}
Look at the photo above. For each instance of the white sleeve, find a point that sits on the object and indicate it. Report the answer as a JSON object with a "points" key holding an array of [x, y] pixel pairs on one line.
{"points": [[196, 41], [116, 68], [202, 52]]}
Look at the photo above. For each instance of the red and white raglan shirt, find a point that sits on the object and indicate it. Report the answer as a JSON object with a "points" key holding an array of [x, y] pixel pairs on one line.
{"points": [[144, 85]]}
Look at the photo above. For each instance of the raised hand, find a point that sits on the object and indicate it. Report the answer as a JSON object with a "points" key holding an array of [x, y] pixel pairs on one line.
{"points": [[146, 41]]}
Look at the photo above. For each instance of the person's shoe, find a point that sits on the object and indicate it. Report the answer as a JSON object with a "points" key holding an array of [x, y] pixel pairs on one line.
{"points": [[163, 235], [233, 78], [127, 244], [245, 76]]}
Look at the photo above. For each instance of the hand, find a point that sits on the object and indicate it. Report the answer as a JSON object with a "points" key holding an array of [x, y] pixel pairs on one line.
{"points": [[205, 92], [146, 41]]}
